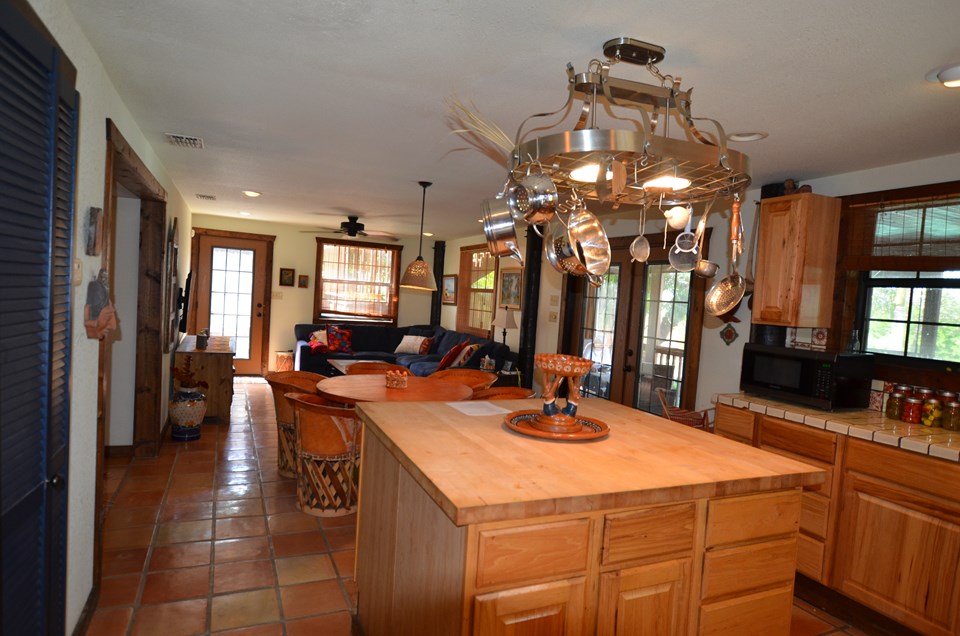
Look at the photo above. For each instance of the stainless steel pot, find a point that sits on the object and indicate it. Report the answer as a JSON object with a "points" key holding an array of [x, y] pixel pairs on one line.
{"points": [[500, 229], [586, 235]]}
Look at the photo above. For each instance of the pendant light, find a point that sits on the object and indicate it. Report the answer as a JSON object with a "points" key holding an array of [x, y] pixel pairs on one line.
{"points": [[418, 274]]}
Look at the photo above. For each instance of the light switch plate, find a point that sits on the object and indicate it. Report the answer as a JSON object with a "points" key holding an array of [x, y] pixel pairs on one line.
{"points": [[77, 272], [277, 295], [554, 300]]}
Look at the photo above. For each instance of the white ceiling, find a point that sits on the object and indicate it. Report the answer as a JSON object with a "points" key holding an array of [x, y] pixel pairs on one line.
{"points": [[330, 106]]}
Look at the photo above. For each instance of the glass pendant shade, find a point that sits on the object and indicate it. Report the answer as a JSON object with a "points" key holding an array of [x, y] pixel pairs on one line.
{"points": [[418, 274]]}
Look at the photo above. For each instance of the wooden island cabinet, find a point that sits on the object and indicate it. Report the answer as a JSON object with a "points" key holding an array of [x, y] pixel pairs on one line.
{"points": [[466, 527]]}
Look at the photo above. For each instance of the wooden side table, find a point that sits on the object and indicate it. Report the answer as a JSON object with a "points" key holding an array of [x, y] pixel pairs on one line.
{"points": [[214, 365]]}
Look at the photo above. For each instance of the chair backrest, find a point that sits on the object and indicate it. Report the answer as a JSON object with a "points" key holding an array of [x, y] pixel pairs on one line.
{"points": [[696, 419], [283, 382], [474, 378], [371, 368], [324, 430], [504, 393]]}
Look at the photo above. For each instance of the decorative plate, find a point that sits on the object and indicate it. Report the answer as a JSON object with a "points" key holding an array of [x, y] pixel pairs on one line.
{"points": [[520, 421]]}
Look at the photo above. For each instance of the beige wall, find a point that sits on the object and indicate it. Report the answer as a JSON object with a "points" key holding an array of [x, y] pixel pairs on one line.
{"points": [[297, 250]]}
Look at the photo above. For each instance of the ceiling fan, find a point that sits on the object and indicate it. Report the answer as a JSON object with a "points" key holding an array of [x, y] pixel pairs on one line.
{"points": [[353, 228]]}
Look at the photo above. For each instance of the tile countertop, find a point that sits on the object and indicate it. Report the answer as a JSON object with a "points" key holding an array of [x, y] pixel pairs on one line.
{"points": [[861, 423]]}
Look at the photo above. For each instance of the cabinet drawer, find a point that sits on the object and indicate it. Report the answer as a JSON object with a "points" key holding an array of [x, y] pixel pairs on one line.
{"points": [[737, 519], [748, 567], [735, 423], [798, 439], [814, 509], [810, 557], [766, 612], [648, 532], [532, 552]]}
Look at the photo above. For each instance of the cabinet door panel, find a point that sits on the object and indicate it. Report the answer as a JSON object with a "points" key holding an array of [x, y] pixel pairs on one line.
{"points": [[778, 254], [734, 423], [763, 614], [810, 557], [536, 610], [898, 553], [648, 600]]}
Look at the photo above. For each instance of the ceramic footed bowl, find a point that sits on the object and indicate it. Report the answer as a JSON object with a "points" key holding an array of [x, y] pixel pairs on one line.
{"points": [[562, 364]]}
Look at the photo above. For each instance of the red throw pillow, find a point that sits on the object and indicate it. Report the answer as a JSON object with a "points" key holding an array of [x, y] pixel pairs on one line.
{"points": [[339, 340], [318, 347], [425, 346], [451, 355]]}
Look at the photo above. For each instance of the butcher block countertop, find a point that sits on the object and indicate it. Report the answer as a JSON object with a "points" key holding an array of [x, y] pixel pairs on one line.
{"points": [[477, 470]]}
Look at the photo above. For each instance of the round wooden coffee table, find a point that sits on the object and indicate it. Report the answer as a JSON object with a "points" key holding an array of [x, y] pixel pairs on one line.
{"points": [[350, 389]]}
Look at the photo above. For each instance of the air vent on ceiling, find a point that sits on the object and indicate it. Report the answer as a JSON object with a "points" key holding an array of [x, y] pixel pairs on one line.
{"points": [[207, 197], [184, 141]]}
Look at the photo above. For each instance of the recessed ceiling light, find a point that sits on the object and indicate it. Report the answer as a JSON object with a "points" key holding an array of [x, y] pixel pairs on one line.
{"points": [[748, 136], [428, 233], [253, 194], [243, 213], [948, 75]]}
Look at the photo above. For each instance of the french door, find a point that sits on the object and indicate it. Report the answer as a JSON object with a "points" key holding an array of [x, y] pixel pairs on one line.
{"points": [[641, 328], [231, 293]]}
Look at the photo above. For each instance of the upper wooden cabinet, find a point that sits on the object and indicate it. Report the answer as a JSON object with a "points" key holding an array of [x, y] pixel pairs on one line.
{"points": [[796, 260]]}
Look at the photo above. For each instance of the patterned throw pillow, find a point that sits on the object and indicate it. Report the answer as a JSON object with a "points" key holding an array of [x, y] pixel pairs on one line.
{"points": [[465, 354], [451, 355], [425, 346], [318, 341], [411, 344], [339, 340]]}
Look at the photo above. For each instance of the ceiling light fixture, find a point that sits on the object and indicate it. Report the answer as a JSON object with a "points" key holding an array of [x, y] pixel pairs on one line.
{"points": [[754, 135], [243, 213], [696, 168], [253, 194], [948, 75], [418, 274]]}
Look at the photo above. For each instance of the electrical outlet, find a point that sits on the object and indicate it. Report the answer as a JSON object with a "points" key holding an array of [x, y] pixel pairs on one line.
{"points": [[552, 317], [277, 295]]}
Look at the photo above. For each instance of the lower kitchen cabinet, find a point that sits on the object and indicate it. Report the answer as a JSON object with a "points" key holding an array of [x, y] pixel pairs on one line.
{"points": [[646, 599], [548, 608], [899, 542], [735, 423]]}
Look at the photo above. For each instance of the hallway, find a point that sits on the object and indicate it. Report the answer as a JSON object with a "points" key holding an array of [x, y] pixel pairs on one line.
{"points": [[207, 538]]}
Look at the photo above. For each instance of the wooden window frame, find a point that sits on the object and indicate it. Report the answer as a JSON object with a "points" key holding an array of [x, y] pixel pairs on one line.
{"points": [[464, 292], [391, 319]]}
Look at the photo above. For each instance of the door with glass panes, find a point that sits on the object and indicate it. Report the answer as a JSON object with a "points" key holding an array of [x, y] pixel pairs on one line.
{"points": [[641, 328], [231, 295]]}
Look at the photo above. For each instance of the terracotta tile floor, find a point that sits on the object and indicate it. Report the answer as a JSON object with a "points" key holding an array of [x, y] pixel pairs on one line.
{"points": [[207, 538]]}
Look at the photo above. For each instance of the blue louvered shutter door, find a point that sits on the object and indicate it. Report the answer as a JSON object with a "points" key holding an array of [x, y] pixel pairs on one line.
{"points": [[37, 150]]}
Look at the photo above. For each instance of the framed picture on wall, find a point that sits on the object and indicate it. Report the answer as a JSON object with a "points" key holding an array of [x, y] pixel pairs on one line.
{"points": [[511, 286], [287, 276], [303, 281], [448, 292]]}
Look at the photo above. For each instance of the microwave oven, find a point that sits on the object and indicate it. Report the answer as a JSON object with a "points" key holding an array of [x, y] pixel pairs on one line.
{"points": [[822, 379]]}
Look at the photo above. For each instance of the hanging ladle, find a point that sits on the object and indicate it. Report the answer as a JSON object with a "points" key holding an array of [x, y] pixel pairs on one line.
{"points": [[704, 268]]}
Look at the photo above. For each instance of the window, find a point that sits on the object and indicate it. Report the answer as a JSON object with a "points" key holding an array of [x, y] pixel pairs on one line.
{"points": [[356, 282], [477, 283], [906, 244], [915, 314]]}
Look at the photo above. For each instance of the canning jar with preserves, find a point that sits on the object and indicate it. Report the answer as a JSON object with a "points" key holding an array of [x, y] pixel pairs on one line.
{"points": [[931, 412], [911, 410], [922, 393], [951, 416], [894, 406]]}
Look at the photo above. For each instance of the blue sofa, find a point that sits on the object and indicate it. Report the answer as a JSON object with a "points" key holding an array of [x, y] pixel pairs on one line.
{"points": [[378, 342]]}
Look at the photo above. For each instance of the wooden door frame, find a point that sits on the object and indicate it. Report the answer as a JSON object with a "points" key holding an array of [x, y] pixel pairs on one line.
{"points": [[572, 310], [123, 166], [195, 234]]}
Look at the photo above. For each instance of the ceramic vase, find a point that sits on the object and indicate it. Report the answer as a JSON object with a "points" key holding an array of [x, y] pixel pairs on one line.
{"points": [[187, 409]]}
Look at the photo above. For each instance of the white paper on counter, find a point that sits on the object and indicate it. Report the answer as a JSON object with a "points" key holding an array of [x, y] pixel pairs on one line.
{"points": [[478, 407]]}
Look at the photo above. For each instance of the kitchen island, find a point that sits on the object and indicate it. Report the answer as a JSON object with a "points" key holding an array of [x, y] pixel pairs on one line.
{"points": [[466, 527]]}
